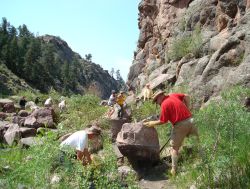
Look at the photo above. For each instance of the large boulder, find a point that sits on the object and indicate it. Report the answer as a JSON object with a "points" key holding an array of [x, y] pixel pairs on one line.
{"points": [[12, 134], [23, 113], [138, 142], [27, 132], [7, 105], [4, 101], [4, 125], [18, 120], [116, 126], [30, 141], [3, 116], [116, 123], [43, 117], [9, 108]]}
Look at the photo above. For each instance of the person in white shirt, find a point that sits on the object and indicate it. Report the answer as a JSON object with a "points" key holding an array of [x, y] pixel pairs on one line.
{"points": [[48, 102], [112, 98], [111, 103], [79, 142]]}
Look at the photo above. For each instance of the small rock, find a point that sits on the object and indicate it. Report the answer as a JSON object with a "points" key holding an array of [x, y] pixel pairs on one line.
{"points": [[124, 170], [193, 187], [55, 179]]}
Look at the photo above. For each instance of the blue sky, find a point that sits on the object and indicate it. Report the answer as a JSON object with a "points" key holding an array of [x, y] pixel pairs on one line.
{"points": [[105, 28]]}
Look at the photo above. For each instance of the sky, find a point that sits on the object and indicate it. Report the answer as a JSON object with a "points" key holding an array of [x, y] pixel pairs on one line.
{"points": [[107, 29]]}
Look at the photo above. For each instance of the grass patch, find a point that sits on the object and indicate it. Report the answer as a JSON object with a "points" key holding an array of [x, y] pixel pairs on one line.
{"points": [[81, 111], [34, 168]]}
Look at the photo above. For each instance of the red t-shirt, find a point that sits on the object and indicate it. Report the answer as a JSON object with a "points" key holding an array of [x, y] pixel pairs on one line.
{"points": [[173, 109]]}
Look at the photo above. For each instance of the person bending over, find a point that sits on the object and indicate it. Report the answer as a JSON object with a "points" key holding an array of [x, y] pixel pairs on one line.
{"points": [[175, 108], [79, 142]]}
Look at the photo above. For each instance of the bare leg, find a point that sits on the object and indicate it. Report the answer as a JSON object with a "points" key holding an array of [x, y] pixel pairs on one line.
{"points": [[174, 156]]}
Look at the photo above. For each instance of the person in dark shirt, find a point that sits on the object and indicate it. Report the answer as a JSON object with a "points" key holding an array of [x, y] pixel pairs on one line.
{"points": [[22, 103], [37, 100]]}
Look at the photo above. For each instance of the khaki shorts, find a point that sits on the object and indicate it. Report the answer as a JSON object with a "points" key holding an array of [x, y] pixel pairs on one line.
{"points": [[181, 130]]}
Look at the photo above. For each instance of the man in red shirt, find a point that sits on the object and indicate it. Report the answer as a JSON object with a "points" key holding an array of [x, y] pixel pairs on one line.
{"points": [[175, 108]]}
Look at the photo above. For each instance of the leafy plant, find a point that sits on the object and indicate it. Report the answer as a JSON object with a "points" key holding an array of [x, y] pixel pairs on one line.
{"points": [[223, 158], [81, 111], [184, 45], [147, 109]]}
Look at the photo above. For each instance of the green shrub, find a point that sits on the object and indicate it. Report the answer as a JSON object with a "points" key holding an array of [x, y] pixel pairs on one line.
{"points": [[147, 109], [184, 45], [81, 111], [34, 168], [30, 95], [223, 161], [31, 167]]}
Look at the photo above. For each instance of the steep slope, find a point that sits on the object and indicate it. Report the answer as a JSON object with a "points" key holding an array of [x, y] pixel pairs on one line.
{"points": [[10, 83], [200, 44], [90, 76]]}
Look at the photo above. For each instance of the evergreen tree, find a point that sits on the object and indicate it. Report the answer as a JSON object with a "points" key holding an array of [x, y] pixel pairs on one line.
{"points": [[112, 72], [4, 26], [118, 75], [12, 32], [48, 59], [58, 64], [24, 32], [65, 75], [31, 59], [14, 55], [23, 45], [4, 39], [88, 57]]}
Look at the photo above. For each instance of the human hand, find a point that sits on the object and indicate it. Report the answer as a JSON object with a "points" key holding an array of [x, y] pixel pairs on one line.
{"points": [[149, 124]]}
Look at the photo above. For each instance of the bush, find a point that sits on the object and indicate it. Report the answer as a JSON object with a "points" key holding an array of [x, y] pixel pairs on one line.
{"points": [[184, 45], [223, 161], [35, 167], [31, 167], [81, 111], [144, 111]]}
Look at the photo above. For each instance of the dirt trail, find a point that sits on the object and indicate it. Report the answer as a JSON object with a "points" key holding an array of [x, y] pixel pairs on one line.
{"points": [[155, 177], [160, 183]]}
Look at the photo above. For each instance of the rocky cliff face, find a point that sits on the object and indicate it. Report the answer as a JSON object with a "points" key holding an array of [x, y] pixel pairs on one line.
{"points": [[197, 43], [92, 77]]}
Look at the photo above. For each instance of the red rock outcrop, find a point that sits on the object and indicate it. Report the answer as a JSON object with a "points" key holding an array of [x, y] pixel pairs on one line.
{"points": [[221, 60]]}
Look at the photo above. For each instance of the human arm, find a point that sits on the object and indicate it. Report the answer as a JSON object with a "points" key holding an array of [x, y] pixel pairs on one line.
{"points": [[84, 156], [152, 123], [87, 155], [186, 100]]}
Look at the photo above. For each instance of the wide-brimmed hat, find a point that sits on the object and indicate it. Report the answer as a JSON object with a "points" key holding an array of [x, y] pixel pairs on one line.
{"points": [[157, 94], [93, 130]]}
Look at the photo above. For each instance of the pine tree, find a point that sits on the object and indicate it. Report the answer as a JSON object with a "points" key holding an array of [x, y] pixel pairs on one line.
{"points": [[112, 72], [31, 59], [14, 54], [118, 75], [88, 58]]}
